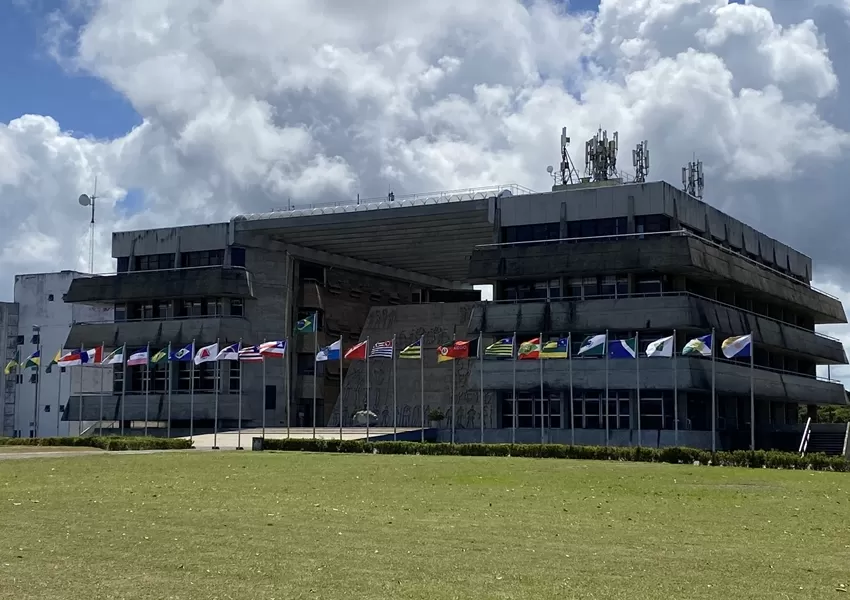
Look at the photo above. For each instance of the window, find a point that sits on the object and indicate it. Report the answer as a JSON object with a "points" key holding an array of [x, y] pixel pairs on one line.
{"points": [[120, 313], [531, 233], [586, 411], [212, 307], [608, 286], [271, 397], [147, 311], [312, 272], [162, 310], [306, 363], [573, 289], [123, 264], [50, 297], [202, 258], [648, 286], [237, 307], [234, 375], [159, 376], [652, 223], [597, 227], [530, 410], [154, 262], [618, 410], [46, 408], [117, 379], [656, 412], [237, 256], [191, 308], [589, 287]]}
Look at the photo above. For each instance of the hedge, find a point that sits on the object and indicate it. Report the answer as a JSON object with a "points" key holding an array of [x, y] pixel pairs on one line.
{"points": [[103, 442], [771, 459]]}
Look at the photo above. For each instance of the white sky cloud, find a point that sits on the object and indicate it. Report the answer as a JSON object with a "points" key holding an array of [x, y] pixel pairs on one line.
{"points": [[246, 103]]}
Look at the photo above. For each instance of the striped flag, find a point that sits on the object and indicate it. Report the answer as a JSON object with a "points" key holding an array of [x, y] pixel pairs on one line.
{"points": [[382, 350], [504, 348], [413, 351], [251, 354]]}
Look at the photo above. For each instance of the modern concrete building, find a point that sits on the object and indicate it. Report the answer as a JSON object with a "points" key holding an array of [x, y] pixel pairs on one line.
{"points": [[43, 323], [9, 331], [640, 258]]}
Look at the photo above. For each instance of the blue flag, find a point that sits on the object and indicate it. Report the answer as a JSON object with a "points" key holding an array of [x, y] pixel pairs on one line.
{"points": [[183, 354]]}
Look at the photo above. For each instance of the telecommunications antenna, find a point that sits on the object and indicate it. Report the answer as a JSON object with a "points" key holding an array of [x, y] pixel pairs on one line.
{"points": [[551, 170], [600, 156], [640, 160], [86, 200], [693, 181], [569, 173]]}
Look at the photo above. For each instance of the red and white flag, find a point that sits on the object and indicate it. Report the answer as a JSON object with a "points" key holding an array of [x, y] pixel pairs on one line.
{"points": [[357, 352], [206, 354]]}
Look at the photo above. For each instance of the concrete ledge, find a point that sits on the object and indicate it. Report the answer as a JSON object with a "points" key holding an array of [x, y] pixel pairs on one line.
{"points": [[204, 408], [177, 331]]}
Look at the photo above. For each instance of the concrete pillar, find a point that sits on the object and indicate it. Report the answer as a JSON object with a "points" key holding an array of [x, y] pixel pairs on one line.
{"points": [[564, 232], [630, 215]]}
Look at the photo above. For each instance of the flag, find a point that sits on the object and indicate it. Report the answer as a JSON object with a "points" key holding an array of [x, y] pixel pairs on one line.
{"points": [[413, 351], [273, 348], [662, 347], [593, 345], [559, 348], [504, 348], [13, 364], [116, 357], [382, 350], [623, 348], [457, 349], [160, 356], [55, 361], [231, 352], [529, 350], [92, 356], [183, 354], [306, 325], [357, 352], [700, 345], [739, 346], [207, 354], [73, 358], [137, 358], [250, 354], [331, 352], [33, 360]]}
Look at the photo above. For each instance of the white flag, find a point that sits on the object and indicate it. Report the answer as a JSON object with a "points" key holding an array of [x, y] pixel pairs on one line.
{"points": [[206, 354], [662, 347]]}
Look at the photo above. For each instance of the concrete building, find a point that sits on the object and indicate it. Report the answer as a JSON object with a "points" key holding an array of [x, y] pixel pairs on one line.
{"points": [[630, 258], [9, 329], [43, 323]]}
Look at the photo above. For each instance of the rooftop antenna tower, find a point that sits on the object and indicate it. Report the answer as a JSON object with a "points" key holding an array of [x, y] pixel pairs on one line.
{"points": [[640, 160], [86, 200], [600, 156], [692, 179], [569, 173]]}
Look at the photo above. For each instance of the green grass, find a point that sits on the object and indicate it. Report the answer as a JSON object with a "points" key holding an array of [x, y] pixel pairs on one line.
{"points": [[43, 449], [287, 525]]}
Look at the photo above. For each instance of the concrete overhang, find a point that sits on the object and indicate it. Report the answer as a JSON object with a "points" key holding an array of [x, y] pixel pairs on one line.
{"points": [[156, 408], [676, 310], [674, 254], [226, 282], [692, 374], [434, 240], [138, 333]]}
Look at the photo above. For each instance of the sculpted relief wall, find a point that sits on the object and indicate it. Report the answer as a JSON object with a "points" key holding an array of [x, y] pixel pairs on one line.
{"points": [[439, 323]]}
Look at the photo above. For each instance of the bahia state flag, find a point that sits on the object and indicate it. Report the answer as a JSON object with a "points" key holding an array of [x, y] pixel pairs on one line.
{"points": [[700, 345], [623, 348], [662, 347], [739, 346], [593, 345]]}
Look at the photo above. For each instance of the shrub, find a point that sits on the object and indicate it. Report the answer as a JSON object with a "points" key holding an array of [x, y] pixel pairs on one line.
{"points": [[771, 459], [104, 443]]}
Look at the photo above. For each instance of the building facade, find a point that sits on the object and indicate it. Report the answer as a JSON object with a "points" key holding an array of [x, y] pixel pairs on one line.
{"points": [[635, 259], [9, 329]]}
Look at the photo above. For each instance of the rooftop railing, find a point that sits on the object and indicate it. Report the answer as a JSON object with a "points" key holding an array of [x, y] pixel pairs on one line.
{"points": [[182, 269], [672, 233]]}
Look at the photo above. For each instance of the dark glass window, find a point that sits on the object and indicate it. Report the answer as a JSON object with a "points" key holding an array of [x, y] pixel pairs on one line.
{"points": [[237, 307], [271, 397], [652, 223], [306, 363], [202, 258], [531, 233], [123, 264], [311, 271], [237, 256], [154, 262], [120, 313]]}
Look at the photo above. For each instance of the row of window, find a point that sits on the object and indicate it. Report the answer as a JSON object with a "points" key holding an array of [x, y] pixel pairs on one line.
{"points": [[198, 258], [588, 228], [204, 375], [163, 310], [580, 288]]}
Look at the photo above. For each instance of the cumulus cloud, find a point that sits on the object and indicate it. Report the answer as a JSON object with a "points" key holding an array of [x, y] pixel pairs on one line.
{"points": [[246, 104]]}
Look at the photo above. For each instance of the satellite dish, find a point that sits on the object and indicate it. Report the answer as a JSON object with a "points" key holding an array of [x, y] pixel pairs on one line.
{"points": [[84, 200], [549, 169]]}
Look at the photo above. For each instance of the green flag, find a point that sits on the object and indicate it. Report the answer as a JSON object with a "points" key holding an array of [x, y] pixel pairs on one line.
{"points": [[306, 325], [160, 356]]}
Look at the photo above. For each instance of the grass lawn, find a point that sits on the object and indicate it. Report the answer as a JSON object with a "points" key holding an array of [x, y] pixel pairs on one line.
{"points": [[42, 449], [263, 525]]}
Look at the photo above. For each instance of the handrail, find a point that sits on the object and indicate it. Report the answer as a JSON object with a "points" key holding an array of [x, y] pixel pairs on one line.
{"points": [[131, 272], [846, 451], [157, 320], [804, 441], [655, 294], [671, 233]]}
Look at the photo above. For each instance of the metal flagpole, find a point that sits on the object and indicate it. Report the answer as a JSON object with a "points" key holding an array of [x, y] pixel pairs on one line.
{"points": [[713, 396], [395, 392], [239, 409], [286, 381], [542, 417], [216, 392], [102, 392], [637, 388], [454, 370], [675, 392], [263, 399], [168, 383], [481, 380], [752, 395], [80, 408], [367, 389], [123, 384], [341, 386], [58, 396], [607, 403], [37, 387], [147, 384], [192, 394], [572, 403], [315, 375], [513, 399], [422, 386]]}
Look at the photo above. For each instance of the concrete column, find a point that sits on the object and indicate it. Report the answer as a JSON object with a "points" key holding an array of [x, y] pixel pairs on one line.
{"points": [[564, 232], [630, 215]]}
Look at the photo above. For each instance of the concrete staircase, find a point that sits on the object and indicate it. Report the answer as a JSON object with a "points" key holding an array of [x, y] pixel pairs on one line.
{"points": [[829, 441]]}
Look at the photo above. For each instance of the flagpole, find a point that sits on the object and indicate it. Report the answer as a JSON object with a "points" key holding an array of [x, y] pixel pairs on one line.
{"points": [[216, 392], [367, 389], [80, 407], [315, 376], [395, 392], [454, 416], [147, 385], [286, 381], [481, 380], [422, 386], [102, 392], [263, 402], [607, 409], [37, 386], [341, 386], [58, 396], [239, 409], [637, 389], [192, 394], [540, 360], [168, 424], [752, 394], [675, 392], [713, 396], [513, 399], [123, 384], [572, 404]]}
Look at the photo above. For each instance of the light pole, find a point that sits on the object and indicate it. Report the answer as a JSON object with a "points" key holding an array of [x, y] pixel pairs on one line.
{"points": [[86, 200]]}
